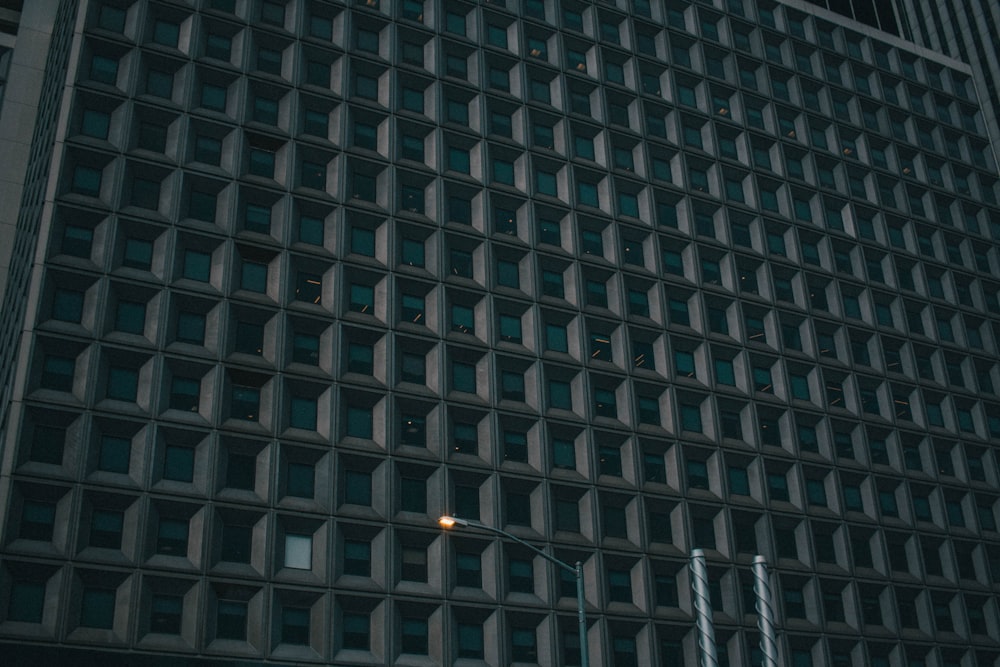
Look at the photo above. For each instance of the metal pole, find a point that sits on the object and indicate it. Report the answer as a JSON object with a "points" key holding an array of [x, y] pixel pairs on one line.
{"points": [[581, 616], [703, 609], [765, 612]]}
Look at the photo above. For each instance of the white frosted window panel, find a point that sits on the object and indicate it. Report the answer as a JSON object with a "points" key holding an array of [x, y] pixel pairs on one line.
{"points": [[298, 551]]}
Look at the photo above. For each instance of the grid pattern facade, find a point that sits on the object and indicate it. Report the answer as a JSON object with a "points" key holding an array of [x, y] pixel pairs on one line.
{"points": [[623, 279]]}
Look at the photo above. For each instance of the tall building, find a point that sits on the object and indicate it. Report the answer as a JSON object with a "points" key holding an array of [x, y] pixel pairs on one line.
{"points": [[290, 279], [965, 30]]}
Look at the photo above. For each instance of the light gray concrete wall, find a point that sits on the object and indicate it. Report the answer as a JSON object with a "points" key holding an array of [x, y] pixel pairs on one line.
{"points": [[18, 115]]}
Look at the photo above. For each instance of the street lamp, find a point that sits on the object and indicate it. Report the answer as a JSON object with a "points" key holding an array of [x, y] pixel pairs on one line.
{"points": [[449, 522]]}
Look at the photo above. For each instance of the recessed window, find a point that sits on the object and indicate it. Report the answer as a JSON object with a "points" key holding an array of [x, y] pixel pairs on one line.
{"points": [[106, 528], [552, 284], [366, 87], [97, 608], [272, 12], [298, 551], [508, 274], [178, 463], [463, 377], [295, 623], [465, 438], [362, 298], [218, 46], [463, 319], [414, 368], [620, 588], [111, 18], [236, 543], [231, 620], [596, 293], [563, 454], [359, 422], [67, 305], [87, 181], [172, 537], [510, 329], [556, 338], [355, 629], [412, 308], [104, 69], [37, 520], [414, 565], [605, 403], [610, 461], [245, 403], [358, 488], [470, 641], [300, 481], [413, 495], [468, 569]]}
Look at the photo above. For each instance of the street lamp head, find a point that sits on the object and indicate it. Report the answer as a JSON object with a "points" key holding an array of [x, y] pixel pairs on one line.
{"points": [[451, 521]]}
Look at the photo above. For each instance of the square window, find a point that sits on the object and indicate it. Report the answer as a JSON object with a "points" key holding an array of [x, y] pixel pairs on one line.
{"points": [[311, 230], [470, 641], [106, 528], [414, 565], [358, 488], [412, 308], [508, 274], [295, 622], [87, 181], [37, 520], [362, 298], [414, 368], [218, 47], [465, 438], [368, 40], [468, 570], [123, 383], [510, 329], [172, 537], [463, 377], [359, 422], [104, 69], [366, 87], [178, 463], [97, 608], [231, 620], [413, 495]]}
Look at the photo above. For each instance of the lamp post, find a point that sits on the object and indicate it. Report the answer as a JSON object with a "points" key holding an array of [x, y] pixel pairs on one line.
{"points": [[449, 522]]}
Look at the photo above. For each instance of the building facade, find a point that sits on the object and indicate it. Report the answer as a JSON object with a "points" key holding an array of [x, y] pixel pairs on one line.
{"points": [[290, 279]]}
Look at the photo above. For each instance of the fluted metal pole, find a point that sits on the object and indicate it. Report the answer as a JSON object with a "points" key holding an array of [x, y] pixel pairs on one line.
{"points": [[581, 616], [703, 609], [765, 612]]}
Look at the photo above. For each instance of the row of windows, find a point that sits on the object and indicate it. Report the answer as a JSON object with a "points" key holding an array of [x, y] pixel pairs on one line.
{"points": [[170, 28], [615, 519], [189, 320], [415, 428], [255, 332], [252, 155], [203, 199], [253, 544], [209, 393], [510, 218], [418, 250], [619, 583], [269, 53], [415, 94], [237, 618]]}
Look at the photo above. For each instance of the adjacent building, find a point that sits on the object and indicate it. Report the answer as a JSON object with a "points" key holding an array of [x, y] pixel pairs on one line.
{"points": [[286, 280]]}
